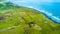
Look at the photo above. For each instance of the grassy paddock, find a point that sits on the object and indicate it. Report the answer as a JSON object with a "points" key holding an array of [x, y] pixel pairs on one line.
{"points": [[21, 20]]}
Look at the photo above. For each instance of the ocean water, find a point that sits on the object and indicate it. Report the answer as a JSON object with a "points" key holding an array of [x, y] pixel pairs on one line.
{"points": [[49, 8], [53, 8]]}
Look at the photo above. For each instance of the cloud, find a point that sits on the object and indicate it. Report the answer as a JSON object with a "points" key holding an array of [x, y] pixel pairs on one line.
{"points": [[35, 0], [38, 0], [32, 0], [57, 0]]}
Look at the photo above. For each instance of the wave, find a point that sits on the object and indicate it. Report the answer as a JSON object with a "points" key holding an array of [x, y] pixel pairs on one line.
{"points": [[47, 14]]}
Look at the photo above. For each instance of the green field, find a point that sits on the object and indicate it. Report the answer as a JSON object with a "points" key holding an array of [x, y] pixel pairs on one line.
{"points": [[21, 20]]}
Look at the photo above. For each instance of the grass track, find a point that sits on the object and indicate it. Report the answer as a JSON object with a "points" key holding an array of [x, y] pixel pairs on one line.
{"points": [[31, 22]]}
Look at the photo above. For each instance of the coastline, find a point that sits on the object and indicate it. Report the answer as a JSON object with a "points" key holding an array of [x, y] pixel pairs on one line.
{"points": [[46, 14]]}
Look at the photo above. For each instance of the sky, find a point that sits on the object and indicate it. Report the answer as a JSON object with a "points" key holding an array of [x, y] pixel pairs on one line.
{"points": [[46, 4], [33, 1], [36, 0], [50, 5]]}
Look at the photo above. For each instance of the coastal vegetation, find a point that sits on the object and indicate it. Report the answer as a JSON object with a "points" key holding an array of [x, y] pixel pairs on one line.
{"points": [[22, 20]]}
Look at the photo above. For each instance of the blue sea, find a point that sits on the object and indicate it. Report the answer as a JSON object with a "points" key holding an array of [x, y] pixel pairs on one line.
{"points": [[51, 9]]}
